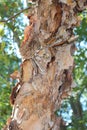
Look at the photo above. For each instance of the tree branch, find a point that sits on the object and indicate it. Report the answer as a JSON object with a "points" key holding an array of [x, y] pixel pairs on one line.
{"points": [[15, 15]]}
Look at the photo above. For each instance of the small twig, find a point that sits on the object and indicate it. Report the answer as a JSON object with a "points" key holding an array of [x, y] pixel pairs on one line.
{"points": [[15, 15]]}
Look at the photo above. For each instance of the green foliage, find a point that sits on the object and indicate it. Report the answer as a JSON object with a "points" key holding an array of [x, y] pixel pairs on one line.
{"points": [[8, 63], [82, 30], [11, 35]]}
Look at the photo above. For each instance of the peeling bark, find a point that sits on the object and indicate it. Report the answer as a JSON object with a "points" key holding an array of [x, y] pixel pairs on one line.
{"points": [[46, 72]]}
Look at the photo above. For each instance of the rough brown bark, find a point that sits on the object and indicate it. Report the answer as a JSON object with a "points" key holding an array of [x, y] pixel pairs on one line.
{"points": [[46, 71]]}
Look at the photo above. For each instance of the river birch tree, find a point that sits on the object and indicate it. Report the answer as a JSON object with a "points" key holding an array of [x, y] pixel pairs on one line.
{"points": [[45, 76]]}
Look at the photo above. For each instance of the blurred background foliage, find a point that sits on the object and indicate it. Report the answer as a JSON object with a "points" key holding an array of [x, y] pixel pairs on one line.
{"points": [[73, 109], [11, 35]]}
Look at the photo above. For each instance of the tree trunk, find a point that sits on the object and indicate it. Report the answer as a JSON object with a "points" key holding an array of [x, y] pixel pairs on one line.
{"points": [[46, 72]]}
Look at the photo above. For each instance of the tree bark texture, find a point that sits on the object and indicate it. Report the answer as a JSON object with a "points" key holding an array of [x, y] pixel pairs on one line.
{"points": [[45, 77]]}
